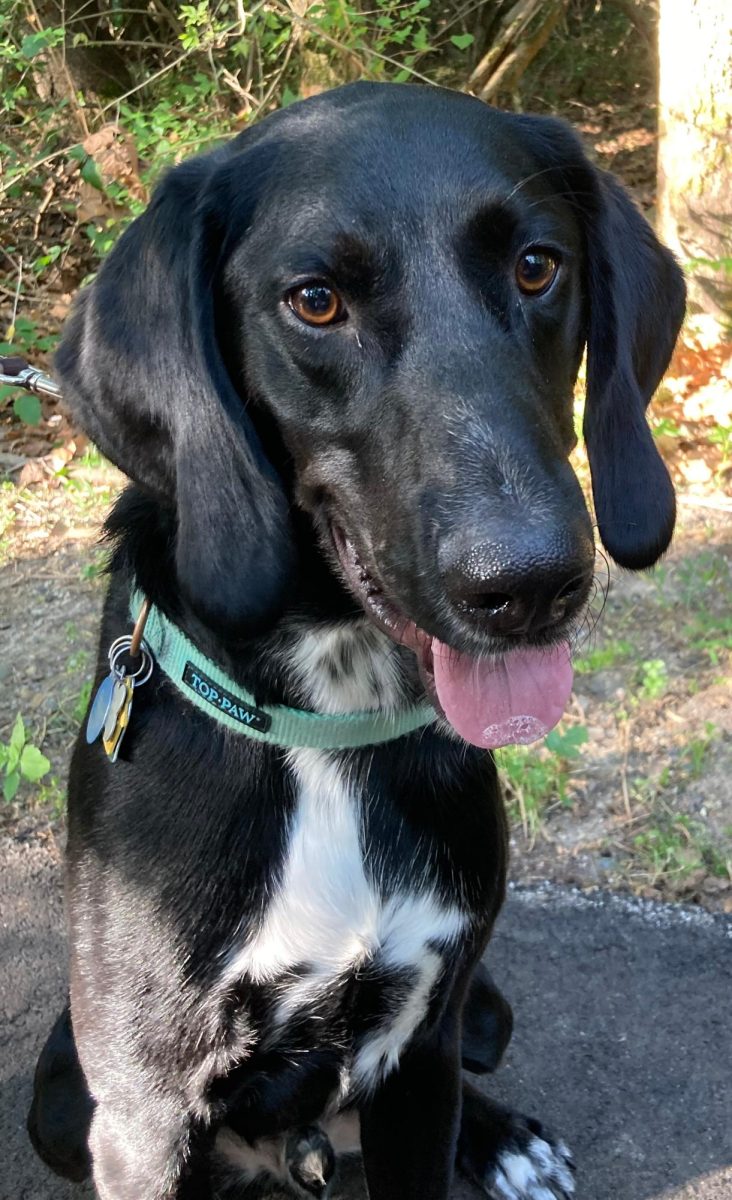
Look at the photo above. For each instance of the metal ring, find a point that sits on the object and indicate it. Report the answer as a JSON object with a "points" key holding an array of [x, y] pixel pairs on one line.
{"points": [[120, 641], [144, 671]]}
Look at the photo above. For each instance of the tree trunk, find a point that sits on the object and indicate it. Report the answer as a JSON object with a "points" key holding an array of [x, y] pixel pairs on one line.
{"points": [[523, 31], [695, 147]]}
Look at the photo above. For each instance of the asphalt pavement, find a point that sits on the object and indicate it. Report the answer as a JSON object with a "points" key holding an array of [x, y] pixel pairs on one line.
{"points": [[622, 1041]]}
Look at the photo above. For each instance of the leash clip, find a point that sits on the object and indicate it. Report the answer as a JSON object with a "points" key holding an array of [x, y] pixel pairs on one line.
{"points": [[16, 372]]}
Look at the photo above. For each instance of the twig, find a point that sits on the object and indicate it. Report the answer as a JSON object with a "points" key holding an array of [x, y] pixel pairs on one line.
{"points": [[706, 502], [624, 771], [80, 16], [48, 191], [232, 82], [278, 77], [524, 815], [349, 50], [27, 170], [17, 291], [12, 462], [10, 259], [146, 82]]}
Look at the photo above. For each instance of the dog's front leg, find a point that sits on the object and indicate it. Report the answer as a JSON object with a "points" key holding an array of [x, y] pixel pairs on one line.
{"points": [[148, 1152], [409, 1128], [511, 1156]]}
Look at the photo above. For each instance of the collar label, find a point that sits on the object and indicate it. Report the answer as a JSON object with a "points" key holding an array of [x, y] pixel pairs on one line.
{"points": [[225, 702]]}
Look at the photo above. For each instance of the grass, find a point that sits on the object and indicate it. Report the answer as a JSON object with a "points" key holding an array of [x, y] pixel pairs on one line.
{"points": [[534, 778], [712, 635], [688, 582], [602, 658], [696, 752], [86, 496], [95, 568], [676, 846], [682, 767], [8, 496], [652, 679], [664, 835], [21, 761]]}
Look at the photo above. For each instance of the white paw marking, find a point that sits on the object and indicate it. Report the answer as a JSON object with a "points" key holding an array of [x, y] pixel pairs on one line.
{"points": [[533, 1174]]}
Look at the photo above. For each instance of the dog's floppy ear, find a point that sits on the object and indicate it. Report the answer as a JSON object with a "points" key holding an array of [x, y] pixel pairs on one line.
{"points": [[635, 297], [141, 368]]}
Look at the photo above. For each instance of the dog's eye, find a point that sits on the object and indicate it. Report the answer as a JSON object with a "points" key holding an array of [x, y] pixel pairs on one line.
{"points": [[317, 304], [535, 271]]}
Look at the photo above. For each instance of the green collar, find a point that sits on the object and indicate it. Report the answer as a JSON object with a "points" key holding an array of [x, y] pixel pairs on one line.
{"points": [[204, 684]]}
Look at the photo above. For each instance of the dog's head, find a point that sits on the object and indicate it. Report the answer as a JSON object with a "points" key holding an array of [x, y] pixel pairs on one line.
{"points": [[372, 306]]}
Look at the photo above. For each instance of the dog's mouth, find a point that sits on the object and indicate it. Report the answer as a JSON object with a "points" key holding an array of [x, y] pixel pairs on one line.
{"points": [[497, 700]]}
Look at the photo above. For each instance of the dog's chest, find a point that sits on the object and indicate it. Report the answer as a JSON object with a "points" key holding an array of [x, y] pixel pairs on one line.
{"points": [[332, 917]]}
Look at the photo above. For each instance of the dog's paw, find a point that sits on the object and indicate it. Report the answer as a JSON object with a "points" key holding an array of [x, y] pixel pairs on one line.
{"points": [[509, 1156], [534, 1167], [310, 1161]]}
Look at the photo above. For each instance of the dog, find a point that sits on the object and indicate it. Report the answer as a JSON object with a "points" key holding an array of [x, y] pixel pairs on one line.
{"points": [[336, 359]]}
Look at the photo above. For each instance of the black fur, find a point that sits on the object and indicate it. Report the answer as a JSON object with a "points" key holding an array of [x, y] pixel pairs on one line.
{"points": [[434, 426]]}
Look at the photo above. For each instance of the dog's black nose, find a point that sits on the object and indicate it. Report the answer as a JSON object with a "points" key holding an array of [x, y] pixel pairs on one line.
{"points": [[520, 582]]}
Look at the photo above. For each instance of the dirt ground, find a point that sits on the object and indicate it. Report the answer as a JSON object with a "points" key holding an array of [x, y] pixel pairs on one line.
{"points": [[642, 803], [648, 804]]}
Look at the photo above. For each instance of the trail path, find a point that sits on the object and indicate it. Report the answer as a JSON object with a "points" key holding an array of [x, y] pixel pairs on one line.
{"points": [[622, 1037]]}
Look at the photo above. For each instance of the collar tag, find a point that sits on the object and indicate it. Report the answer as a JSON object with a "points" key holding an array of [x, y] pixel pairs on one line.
{"points": [[234, 707]]}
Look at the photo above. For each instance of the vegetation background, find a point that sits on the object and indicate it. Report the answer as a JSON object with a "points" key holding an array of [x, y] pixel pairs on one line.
{"points": [[97, 97]]}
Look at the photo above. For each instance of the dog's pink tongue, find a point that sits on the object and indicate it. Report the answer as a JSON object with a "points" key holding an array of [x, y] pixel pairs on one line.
{"points": [[516, 699]]}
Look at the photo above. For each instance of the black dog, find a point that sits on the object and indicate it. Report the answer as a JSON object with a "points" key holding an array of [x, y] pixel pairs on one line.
{"points": [[337, 359]]}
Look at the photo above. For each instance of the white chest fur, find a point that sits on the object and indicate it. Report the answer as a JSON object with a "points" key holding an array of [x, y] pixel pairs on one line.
{"points": [[347, 668], [330, 914], [329, 917]]}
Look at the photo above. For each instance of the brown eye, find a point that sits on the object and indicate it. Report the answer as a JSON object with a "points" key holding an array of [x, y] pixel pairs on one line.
{"points": [[316, 304], [535, 272]]}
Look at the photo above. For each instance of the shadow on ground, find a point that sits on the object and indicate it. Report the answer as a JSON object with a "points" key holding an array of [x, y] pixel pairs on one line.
{"points": [[622, 1040]]}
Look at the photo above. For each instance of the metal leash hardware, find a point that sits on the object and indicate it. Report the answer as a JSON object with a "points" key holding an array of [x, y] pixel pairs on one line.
{"points": [[16, 372], [112, 706]]}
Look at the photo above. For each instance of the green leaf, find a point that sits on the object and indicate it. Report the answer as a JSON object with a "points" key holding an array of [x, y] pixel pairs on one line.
{"points": [[10, 785], [36, 43], [33, 764], [17, 737], [567, 744], [28, 409], [33, 44], [462, 40], [90, 174], [89, 169]]}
